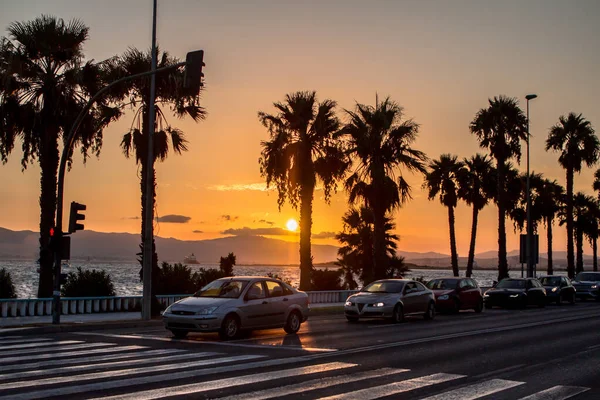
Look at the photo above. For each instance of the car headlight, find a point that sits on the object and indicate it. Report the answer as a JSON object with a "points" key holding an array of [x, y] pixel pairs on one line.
{"points": [[206, 311], [378, 304], [486, 295], [594, 286], [443, 297], [554, 289], [349, 303], [514, 295]]}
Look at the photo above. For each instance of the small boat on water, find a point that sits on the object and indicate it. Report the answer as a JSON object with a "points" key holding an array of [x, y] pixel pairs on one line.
{"points": [[191, 259]]}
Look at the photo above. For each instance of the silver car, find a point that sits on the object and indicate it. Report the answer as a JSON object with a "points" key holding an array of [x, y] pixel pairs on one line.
{"points": [[391, 298], [230, 305], [587, 285]]}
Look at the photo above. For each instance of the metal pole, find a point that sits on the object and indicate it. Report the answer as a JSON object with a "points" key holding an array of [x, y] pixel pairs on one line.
{"points": [[149, 205], [529, 247]]}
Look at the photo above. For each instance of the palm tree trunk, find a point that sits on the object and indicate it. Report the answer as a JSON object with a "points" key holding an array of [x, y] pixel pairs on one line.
{"points": [[379, 207], [48, 161], [306, 267], [453, 252], [471, 259], [502, 262], [570, 250], [579, 234], [549, 236], [595, 251]]}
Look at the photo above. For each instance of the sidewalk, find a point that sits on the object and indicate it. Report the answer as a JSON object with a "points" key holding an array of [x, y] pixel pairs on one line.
{"points": [[99, 321]]}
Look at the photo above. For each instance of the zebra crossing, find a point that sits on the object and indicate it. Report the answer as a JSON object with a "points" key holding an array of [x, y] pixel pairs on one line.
{"points": [[36, 368]]}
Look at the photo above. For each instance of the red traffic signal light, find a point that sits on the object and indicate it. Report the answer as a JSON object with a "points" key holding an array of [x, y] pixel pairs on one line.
{"points": [[76, 216], [192, 79]]}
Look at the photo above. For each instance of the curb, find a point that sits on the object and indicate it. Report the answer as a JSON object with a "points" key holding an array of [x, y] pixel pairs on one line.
{"points": [[37, 329]]}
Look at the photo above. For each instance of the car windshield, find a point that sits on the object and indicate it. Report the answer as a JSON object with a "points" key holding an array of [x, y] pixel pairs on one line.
{"points": [[442, 284], [511, 284], [588, 276], [550, 281], [384, 287], [225, 289]]}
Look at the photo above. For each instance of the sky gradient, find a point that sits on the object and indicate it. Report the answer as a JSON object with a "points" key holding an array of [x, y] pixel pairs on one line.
{"points": [[440, 60]]}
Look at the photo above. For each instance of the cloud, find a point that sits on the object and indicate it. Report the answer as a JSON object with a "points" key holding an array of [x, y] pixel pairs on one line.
{"points": [[238, 187], [197, 231], [174, 219], [264, 221], [245, 231], [228, 217], [131, 217], [323, 235]]}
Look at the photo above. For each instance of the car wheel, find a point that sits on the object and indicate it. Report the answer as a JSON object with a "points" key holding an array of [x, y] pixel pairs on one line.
{"points": [[479, 307], [430, 314], [230, 328], [398, 314], [352, 319], [542, 303], [572, 299], [292, 325], [179, 334]]}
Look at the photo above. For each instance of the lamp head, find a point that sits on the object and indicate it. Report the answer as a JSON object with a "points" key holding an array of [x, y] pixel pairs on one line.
{"points": [[531, 96]]}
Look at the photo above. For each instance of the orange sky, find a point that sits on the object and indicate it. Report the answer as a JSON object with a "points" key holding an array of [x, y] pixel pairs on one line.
{"points": [[440, 60]]}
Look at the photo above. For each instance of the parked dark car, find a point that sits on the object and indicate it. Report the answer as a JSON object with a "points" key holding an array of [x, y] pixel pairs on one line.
{"points": [[455, 294], [391, 298], [558, 289], [516, 293], [587, 285]]}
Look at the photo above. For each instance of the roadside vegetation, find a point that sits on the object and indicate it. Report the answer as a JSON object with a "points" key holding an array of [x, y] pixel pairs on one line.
{"points": [[7, 288]]}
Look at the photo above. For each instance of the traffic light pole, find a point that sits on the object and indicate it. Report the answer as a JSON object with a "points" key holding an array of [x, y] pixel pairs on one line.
{"points": [[58, 233]]}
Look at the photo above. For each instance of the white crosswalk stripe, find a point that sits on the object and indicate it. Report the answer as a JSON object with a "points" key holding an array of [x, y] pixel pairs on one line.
{"points": [[557, 393], [21, 340], [46, 356], [37, 345], [476, 391], [55, 351]]}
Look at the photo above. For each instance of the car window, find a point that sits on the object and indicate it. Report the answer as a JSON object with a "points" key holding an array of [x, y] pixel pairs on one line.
{"points": [[551, 280], [384, 287], [473, 283], [409, 286], [511, 284], [420, 287], [442, 284], [464, 284], [256, 291], [228, 289], [274, 289]]}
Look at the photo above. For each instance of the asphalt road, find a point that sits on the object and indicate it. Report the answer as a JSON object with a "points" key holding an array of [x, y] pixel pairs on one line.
{"points": [[550, 353]]}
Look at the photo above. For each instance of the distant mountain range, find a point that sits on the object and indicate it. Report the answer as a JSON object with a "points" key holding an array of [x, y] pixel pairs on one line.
{"points": [[100, 246]]}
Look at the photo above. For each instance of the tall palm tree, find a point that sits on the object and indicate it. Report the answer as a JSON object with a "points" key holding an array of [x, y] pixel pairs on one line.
{"points": [[356, 253], [574, 138], [301, 150], [500, 128], [592, 229], [550, 200], [584, 208], [170, 96], [442, 180], [380, 142], [476, 189], [44, 83], [517, 208]]}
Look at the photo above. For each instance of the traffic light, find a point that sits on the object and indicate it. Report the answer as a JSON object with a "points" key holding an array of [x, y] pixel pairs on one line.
{"points": [[76, 216], [192, 78]]}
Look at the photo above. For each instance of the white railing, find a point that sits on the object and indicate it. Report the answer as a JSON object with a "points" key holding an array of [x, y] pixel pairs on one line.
{"points": [[87, 305]]}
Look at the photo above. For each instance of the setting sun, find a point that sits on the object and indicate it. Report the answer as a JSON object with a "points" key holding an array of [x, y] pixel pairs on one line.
{"points": [[291, 225]]}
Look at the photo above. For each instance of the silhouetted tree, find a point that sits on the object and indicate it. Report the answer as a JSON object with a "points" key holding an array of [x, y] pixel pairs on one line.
{"points": [[574, 138], [226, 264], [44, 83], [380, 142], [500, 128], [442, 180], [550, 199], [591, 228], [475, 187], [301, 150]]}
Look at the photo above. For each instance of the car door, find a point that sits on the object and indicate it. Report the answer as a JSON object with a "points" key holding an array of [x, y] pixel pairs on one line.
{"points": [[535, 292], [410, 298], [278, 303], [476, 295], [255, 307], [423, 297], [464, 294]]}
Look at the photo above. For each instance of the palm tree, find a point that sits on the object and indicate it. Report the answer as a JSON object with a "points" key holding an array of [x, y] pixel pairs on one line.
{"points": [[550, 200], [44, 83], [500, 127], [583, 212], [574, 138], [517, 208], [380, 142], [356, 253], [170, 94], [475, 188], [442, 181], [301, 150], [592, 230]]}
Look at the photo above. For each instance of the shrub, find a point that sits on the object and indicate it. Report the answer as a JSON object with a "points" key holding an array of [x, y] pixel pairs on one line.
{"points": [[226, 264], [327, 279], [174, 279], [7, 289], [88, 283], [205, 276]]}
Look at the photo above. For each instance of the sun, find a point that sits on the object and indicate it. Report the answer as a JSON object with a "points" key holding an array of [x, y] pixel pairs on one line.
{"points": [[291, 225]]}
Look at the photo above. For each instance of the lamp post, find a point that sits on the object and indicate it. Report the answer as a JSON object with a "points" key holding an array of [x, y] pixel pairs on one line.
{"points": [[529, 247]]}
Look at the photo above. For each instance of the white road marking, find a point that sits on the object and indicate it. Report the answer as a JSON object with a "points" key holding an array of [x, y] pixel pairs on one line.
{"points": [[55, 352], [115, 373], [319, 383], [395, 388], [112, 365], [22, 340], [98, 359], [37, 345], [476, 391], [68, 354], [557, 393], [201, 387]]}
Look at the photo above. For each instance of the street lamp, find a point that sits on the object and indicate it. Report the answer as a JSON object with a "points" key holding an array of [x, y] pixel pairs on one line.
{"points": [[529, 246]]}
